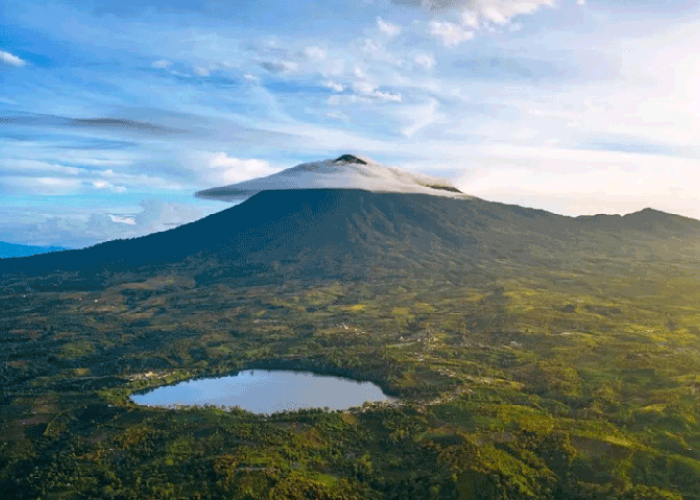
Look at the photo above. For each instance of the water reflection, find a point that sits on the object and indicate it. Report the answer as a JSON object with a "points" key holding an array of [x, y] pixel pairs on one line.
{"points": [[266, 392]]}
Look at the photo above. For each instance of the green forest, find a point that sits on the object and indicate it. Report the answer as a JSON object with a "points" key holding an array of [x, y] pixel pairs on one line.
{"points": [[514, 382]]}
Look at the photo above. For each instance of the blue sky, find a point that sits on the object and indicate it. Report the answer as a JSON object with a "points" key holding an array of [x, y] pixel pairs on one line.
{"points": [[112, 113]]}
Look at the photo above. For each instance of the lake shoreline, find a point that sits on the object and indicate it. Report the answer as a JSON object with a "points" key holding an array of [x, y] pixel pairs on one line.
{"points": [[264, 391]]}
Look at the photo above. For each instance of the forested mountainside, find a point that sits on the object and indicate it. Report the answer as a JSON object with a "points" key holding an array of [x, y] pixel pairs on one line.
{"points": [[534, 355]]}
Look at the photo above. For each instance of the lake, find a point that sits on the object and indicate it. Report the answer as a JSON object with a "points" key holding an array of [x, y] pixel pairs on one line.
{"points": [[266, 392]]}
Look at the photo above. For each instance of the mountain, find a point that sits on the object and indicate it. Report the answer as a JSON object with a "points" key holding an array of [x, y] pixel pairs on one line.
{"points": [[535, 355], [16, 250], [351, 217], [356, 234]]}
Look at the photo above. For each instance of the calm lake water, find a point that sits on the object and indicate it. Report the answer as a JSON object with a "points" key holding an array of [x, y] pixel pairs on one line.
{"points": [[267, 391]]}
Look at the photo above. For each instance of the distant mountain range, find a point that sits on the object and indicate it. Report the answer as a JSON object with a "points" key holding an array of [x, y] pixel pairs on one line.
{"points": [[16, 250]]}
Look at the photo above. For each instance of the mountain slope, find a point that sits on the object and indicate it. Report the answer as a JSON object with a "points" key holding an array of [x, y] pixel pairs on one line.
{"points": [[535, 355], [355, 233]]}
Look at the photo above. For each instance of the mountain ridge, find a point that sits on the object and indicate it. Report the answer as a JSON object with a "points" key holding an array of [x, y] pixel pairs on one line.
{"points": [[351, 232], [11, 250]]}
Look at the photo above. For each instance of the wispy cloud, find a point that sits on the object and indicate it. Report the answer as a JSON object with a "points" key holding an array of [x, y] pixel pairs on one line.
{"points": [[121, 123], [426, 61], [367, 89], [220, 168], [388, 29], [43, 120], [161, 64], [450, 34], [41, 186], [420, 116], [315, 53], [498, 11], [11, 60], [334, 86], [30, 168], [280, 66], [475, 15]]}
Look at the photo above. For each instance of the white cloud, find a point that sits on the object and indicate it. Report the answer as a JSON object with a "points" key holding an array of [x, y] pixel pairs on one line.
{"points": [[364, 88], [81, 231], [12, 60], [202, 71], [345, 99], [470, 18], [56, 184], [104, 158], [386, 96], [477, 14], [501, 12], [376, 51], [121, 181], [333, 174], [161, 64], [370, 45], [359, 72], [158, 215], [31, 168], [42, 186], [315, 53], [495, 11], [333, 67], [29, 176], [419, 117], [220, 168], [451, 34], [426, 61], [335, 86], [337, 115], [107, 186], [122, 220], [388, 29]]}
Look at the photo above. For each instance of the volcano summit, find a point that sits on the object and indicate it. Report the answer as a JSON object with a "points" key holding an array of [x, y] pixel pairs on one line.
{"points": [[346, 172]]}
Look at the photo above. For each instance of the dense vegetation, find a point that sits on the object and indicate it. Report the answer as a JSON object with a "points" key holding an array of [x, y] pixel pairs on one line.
{"points": [[521, 376]]}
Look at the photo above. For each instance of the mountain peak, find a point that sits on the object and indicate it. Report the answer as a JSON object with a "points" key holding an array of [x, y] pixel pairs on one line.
{"points": [[350, 159], [345, 172]]}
